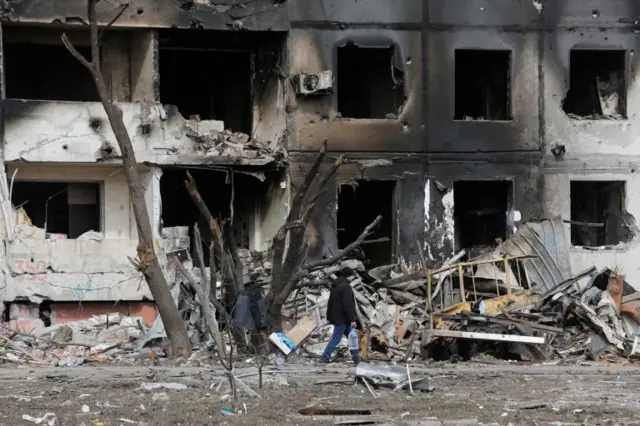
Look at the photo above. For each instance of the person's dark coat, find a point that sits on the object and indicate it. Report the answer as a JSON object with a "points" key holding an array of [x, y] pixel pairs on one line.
{"points": [[341, 309], [251, 310]]}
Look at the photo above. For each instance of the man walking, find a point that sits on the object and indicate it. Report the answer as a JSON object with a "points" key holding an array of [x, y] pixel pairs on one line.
{"points": [[341, 312]]}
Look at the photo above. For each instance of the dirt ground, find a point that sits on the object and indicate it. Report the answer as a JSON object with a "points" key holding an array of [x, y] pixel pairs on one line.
{"points": [[499, 394]]}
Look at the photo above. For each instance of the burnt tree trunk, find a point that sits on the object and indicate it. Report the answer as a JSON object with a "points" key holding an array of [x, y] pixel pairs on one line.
{"points": [[287, 258], [290, 245], [148, 261]]}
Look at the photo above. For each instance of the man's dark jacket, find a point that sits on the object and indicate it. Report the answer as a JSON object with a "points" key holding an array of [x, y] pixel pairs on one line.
{"points": [[341, 309], [251, 310]]}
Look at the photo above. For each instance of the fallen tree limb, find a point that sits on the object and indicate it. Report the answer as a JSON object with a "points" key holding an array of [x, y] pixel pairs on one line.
{"points": [[306, 269], [345, 251], [192, 281], [214, 228]]}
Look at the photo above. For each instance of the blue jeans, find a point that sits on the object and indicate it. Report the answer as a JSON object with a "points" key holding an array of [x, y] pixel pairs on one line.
{"points": [[336, 337]]}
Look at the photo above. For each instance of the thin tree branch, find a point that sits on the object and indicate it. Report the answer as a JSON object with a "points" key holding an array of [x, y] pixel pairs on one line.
{"points": [[214, 228], [74, 52], [304, 271], [212, 273], [330, 172], [192, 281], [279, 240], [95, 40], [348, 249]]}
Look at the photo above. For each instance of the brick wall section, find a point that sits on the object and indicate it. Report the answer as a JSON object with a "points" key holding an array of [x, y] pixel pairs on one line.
{"points": [[24, 317]]}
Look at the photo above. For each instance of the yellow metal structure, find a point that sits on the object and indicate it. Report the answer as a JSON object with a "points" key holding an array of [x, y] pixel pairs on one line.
{"points": [[493, 307]]}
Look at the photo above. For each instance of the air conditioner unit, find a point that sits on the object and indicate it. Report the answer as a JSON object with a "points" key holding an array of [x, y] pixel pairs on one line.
{"points": [[314, 84]]}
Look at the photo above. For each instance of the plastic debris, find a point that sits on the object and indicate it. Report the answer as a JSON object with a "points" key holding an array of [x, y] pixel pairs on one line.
{"points": [[48, 419], [160, 396], [174, 386]]}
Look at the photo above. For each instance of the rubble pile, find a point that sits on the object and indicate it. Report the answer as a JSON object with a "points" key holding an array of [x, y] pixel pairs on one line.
{"points": [[538, 309], [519, 301], [591, 316], [107, 337], [212, 140], [391, 314]]}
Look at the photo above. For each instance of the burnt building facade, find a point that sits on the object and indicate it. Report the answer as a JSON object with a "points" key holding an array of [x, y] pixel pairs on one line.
{"points": [[477, 115], [458, 118]]}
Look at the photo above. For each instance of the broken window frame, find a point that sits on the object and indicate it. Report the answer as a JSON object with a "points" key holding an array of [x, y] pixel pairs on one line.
{"points": [[395, 194], [508, 218], [623, 89], [252, 116], [508, 86], [396, 64], [577, 225], [100, 198]]}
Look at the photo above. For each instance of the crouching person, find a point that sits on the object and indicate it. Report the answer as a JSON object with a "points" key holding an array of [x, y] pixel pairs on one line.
{"points": [[341, 313]]}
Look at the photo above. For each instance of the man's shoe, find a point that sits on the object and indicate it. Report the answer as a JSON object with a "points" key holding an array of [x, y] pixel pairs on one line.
{"points": [[324, 361]]}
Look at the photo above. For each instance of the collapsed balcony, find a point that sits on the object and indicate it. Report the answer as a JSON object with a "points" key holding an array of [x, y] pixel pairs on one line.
{"points": [[224, 115], [63, 132]]}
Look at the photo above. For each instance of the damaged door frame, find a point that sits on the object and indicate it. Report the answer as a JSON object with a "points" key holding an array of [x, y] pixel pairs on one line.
{"points": [[509, 219], [395, 199]]}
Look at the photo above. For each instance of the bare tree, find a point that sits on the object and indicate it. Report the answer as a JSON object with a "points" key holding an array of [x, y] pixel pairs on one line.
{"points": [[289, 244], [147, 261], [209, 304], [226, 256]]}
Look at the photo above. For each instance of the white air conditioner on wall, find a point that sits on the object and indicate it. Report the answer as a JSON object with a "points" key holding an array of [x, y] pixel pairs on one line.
{"points": [[314, 84]]}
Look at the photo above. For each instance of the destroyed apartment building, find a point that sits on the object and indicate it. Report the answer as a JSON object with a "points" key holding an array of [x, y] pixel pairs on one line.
{"points": [[459, 121]]}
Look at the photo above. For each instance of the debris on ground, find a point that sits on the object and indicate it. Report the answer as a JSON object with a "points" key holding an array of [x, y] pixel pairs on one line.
{"points": [[47, 419], [517, 301], [538, 311], [392, 377]]}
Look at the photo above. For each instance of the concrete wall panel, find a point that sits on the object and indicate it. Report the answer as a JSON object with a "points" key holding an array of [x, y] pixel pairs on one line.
{"points": [[258, 15], [315, 119], [449, 135], [521, 14], [589, 13], [68, 132], [556, 202], [373, 12], [580, 136]]}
